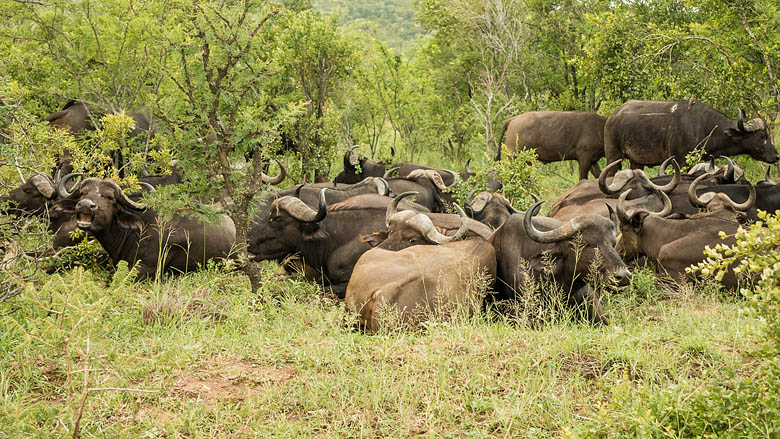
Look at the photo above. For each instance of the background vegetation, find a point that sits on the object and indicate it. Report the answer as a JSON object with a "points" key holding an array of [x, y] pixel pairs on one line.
{"points": [[89, 352]]}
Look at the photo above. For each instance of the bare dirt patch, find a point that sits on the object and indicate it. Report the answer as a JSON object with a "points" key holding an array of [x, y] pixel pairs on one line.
{"points": [[590, 367], [233, 380]]}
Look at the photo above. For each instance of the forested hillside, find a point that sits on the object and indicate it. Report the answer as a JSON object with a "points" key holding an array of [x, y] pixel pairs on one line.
{"points": [[391, 21]]}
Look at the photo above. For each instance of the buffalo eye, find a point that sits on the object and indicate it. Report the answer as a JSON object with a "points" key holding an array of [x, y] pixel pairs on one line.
{"points": [[412, 240]]}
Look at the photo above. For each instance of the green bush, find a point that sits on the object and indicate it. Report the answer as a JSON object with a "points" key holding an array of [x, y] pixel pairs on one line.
{"points": [[519, 172], [757, 255]]}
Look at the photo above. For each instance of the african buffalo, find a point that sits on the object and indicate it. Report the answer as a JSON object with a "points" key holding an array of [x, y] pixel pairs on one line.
{"points": [[130, 232], [593, 197], [76, 117], [647, 132], [409, 228], [309, 193], [419, 281], [559, 135], [489, 208], [328, 238], [358, 167], [539, 247], [429, 185], [675, 244]]}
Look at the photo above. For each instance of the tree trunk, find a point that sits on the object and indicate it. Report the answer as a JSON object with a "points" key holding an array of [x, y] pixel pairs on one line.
{"points": [[250, 268]]}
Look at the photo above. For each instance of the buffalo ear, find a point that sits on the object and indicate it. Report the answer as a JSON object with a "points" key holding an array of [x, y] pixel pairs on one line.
{"points": [[313, 232], [129, 220], [374, 239], [734, 133], [547, 262], [637, 220], [63, 206], [55, 116]]}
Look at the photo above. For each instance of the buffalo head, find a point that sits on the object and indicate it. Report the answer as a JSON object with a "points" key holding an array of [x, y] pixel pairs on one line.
{"points": [[490, 208], [580, 243], [99, 203], [632, 221], [408, 228], [753, 139], [31, 197], [281, 227]]}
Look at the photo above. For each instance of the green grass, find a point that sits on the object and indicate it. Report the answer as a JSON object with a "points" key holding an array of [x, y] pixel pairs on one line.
{"points": [[222, 363], [199, 356]]}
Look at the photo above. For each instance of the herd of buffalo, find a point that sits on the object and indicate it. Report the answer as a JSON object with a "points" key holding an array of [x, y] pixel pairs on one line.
{"points": [[380, 237]]}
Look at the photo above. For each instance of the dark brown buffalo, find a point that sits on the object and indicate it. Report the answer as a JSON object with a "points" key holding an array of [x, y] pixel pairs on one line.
{"points": [[539, 247], [417, 282], [490, 208], [591, 196], [647, 132], [559, 135], [405, 169], [430, 188], [675, 244], [327, 239], [309, 193], [76, 117], [358, 167], [130, 232]]}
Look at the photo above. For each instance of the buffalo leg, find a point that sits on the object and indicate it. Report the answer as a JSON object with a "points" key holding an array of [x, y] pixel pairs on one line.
{"points": [[595, 169], [584, 167], [611, 150]]}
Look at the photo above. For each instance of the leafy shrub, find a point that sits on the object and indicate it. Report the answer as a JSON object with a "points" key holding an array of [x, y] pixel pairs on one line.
{"points": [[519, 172], [756, 254]]}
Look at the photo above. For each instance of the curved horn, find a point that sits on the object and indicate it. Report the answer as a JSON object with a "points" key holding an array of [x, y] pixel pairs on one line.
{"points": [[556, 235], [389, 173], [741, 119], [625, 216], [433, 235], [692, 197], [742, 207], [609, 189], [123, 197], [146, 185], [729, 174], [614, 219], [621, 212], [392, 208], [454, 178], [298, 191], [648, 184], [348, 163], [468, 170], [392, 152], [62, 190], [44, 185], [768, 176], [274, 180], [713, 166], [535, 198], [382, 187], [664, 165], [300, 211]]}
